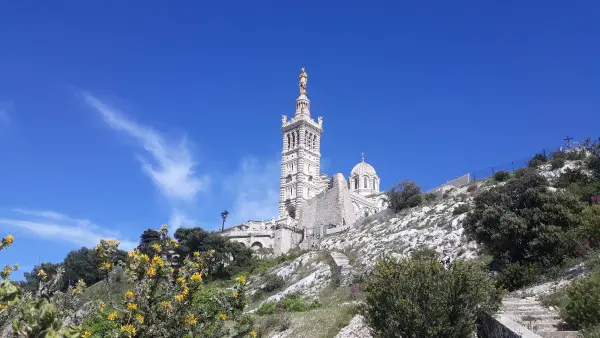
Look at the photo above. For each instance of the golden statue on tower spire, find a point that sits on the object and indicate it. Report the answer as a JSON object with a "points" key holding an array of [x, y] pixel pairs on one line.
{"points": [[303, 78]]}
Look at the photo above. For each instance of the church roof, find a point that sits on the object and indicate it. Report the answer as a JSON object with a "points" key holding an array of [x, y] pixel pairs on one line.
{"points": [[363, 168]]}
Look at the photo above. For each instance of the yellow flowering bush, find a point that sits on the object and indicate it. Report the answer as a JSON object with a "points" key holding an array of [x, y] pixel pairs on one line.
{"points": [[167, 296], [42, 314]]}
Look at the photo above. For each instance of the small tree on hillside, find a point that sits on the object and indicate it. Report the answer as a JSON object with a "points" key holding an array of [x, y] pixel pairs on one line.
{"points": [[402, 195], [523, 221]]}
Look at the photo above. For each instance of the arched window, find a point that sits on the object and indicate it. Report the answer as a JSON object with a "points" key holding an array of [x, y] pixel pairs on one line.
{"points": [[374, 187], [356, 183], [366, 183], [288, 141]]}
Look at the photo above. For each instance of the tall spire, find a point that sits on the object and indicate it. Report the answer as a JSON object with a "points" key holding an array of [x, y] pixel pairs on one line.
{"points": [[363, 156], [302, 102]]}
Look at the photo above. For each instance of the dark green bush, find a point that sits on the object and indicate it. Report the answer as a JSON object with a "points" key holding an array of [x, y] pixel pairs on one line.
{"points": [[590, 225], [522, 221], [273, 283], [583, 306], [501, 176], [593, 163], [415, 200], [461, 209], [418, 298], [430, 197], [585, 190], [516, 275], [557, 163], [537, 160], [570, 176], [400, 195]]}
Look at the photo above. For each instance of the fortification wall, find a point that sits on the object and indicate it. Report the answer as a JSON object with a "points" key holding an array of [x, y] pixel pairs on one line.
{"points": [[329, 209]]}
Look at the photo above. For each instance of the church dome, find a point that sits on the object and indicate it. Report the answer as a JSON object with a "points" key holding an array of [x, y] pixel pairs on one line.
{"points": [[363, 168]]}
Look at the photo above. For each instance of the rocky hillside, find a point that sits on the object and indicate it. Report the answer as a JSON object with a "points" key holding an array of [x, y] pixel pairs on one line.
{"points": [[327, 276]]}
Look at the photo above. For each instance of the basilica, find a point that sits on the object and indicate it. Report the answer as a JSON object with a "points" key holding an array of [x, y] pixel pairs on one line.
{"points": [[311, 204]]}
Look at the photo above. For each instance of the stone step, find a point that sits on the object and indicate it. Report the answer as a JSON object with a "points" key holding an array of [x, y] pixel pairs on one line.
{"points": [[560, 334]]}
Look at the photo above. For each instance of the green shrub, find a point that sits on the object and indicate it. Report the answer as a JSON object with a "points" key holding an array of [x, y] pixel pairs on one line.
{"points": [[461, 209], [400, 195], [585, 190], [590, 225], [593, 163], [516, 275], [570, 176], [429, 197], [583, 307], [537, 160], [522, 221], [417, 297], [273, 283], [292, 302], [557, 163], [501, 175], [415, 200]]}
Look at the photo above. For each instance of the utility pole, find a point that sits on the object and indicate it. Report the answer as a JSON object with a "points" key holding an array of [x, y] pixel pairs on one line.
{"points": [[224, 215], [568, 139]]}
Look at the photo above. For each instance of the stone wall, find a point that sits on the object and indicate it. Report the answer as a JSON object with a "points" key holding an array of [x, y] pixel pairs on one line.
{"points": [[328, 210], [501, 327]]}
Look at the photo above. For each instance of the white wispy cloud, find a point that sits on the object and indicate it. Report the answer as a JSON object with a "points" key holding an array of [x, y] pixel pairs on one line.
{"points": [[5, 109], [170, 164], [172, 168], [255, 187], [57, 226]]}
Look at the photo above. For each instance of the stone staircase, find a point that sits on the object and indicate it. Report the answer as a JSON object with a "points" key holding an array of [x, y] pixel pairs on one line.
{"points": [[534, 316]]}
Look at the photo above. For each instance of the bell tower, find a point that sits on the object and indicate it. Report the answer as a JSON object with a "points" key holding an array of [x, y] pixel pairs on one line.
{"points": [[301, 155]]}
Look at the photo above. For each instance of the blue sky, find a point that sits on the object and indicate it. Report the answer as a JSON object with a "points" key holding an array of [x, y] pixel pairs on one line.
{"points": [[119, 116]]}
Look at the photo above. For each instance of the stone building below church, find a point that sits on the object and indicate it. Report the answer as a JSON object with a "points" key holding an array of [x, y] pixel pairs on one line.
{"points": [[311, 204]]}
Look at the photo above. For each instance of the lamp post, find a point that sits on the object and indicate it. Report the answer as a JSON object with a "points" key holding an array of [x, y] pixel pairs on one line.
{"points": [[224, 215]]}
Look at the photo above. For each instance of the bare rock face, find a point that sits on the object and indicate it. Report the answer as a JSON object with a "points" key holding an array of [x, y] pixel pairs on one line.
{"points": [[357, 328], [434, 226]]}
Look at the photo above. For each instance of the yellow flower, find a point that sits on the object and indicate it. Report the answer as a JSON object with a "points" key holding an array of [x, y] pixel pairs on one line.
{"points": [[181, 280], [3, 306], [196, 277], [131, 306], [112, 316], [179, 297], [130, 254], [107, 266], [253, 334], [129, 295], [158, 261], [223, 316], [235, 294], [190, 319], [156, 247], [15, 267], [42, 274], [211, 251], [196, 254], [241, 279], [166, 305], [128, 329], [151, 271], [101, 306], [86, 334], [139, 318], [9, 239], [98, 247]]}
